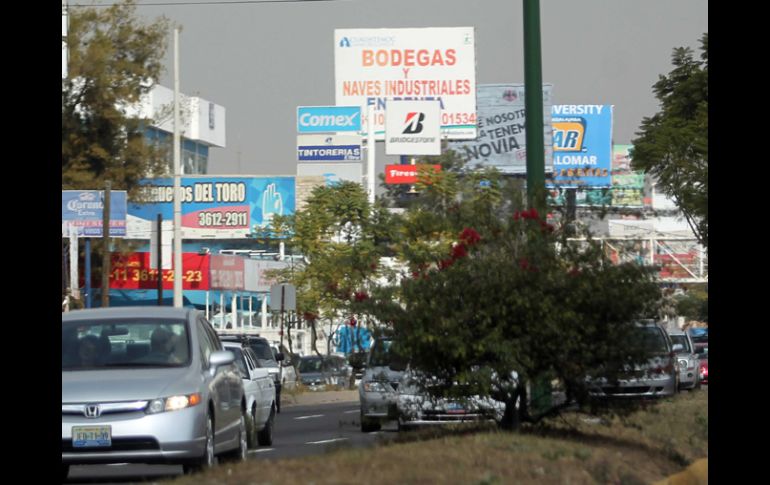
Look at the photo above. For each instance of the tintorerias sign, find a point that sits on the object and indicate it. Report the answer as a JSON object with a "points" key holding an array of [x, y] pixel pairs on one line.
{"points": [[213, 207]]}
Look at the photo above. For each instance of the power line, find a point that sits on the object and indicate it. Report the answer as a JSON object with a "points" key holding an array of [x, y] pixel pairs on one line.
{"points": [[223, 2]]}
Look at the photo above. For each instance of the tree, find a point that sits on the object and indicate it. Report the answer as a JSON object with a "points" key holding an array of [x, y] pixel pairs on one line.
{"points": [[496, 296], [673, 144], [114, 59], [342, 238]]}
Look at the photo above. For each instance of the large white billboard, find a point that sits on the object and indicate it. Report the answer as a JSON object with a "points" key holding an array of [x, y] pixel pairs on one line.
{"points": [[373, 66]]}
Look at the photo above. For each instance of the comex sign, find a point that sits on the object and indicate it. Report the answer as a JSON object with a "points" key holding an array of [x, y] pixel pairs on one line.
{"points": [[328, 119]]}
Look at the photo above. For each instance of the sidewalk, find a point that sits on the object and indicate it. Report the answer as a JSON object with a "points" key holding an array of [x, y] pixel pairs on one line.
{"points": [[318, 397]]}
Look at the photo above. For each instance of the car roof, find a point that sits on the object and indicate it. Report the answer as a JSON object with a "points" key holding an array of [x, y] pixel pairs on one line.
{"points": [[128, 312]]}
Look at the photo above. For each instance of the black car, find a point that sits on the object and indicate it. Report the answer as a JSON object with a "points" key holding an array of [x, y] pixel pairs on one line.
{"points": [[261, 348]]}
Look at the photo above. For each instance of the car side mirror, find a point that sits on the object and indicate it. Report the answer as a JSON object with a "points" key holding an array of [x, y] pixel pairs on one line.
{"points": [[219, 358], [677, 348], [279, 357]]}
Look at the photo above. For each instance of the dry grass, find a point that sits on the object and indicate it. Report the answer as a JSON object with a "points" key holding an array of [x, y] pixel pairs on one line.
{"points": [[642, 448]]}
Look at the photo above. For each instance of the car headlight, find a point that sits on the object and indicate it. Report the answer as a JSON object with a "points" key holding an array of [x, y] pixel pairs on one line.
{"points": [[683, 363], [374, 386], [173, 403]]}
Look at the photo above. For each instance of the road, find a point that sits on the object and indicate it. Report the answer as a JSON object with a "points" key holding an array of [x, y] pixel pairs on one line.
{"points": [[300, 430]]}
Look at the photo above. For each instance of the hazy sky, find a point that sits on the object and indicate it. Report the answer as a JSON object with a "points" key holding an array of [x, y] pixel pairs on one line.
{"points": [[262, 60]]}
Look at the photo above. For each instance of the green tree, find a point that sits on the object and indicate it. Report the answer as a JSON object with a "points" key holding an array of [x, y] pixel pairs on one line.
{"points": [[342, 238], [114, 59], [673, 144], [493, 289]]}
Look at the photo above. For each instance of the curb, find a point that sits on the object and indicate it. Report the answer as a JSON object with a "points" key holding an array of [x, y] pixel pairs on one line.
{"points": [[695, 474]]}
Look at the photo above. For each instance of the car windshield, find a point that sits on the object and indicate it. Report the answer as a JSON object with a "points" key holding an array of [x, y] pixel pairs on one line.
{"points": [[654, 340], [681, 340], [264, 354], [310, 364], [89, 344]]}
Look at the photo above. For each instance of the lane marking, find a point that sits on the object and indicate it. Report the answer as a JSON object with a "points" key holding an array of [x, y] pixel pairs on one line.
{"points": [[324, 441], [351, 412], [312, 416], [261, 450]]}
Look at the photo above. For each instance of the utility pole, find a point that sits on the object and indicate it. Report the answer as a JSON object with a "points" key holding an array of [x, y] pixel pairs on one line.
{"points": [[533, 104], [106, 245], [177, 183]]}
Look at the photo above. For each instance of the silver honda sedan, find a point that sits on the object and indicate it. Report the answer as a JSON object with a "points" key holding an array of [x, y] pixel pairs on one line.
{"points": [[148, 385]]}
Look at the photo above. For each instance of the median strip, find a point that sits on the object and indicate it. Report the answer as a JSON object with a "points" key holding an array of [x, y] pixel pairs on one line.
{"points": [[324, 441], [308, 417]]}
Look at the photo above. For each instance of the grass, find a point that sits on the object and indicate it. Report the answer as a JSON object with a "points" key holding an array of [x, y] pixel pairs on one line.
{"points": [[641, 448]]}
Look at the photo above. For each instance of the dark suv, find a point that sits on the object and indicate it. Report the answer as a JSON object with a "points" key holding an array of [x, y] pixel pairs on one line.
{"points": [[261, 348]]}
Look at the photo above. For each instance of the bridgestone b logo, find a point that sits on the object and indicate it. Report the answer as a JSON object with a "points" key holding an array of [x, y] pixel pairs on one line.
{"points": [[413, 123], [412, 126]]}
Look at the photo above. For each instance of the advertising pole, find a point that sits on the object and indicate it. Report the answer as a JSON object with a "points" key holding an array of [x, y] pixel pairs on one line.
{"points": [[370, 146], [177, 183], [106, 246], [88, 272], [159, 260], [533, 104]]}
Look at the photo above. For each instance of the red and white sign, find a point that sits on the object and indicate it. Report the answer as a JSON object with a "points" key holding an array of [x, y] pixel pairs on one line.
{"points": [[228, 272], [413, 128], [375, 66], [132, 271], [405, 174]]}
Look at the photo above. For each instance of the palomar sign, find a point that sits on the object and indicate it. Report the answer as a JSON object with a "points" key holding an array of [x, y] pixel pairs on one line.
{"points": [[374, 66]]}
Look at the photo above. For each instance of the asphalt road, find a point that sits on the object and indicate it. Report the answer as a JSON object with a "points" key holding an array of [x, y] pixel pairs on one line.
{"points": [[300, 430]]}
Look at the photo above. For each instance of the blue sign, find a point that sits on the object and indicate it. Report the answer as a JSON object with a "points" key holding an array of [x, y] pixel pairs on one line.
{"points": [[582, 146], [328, 119], [84, 209], [214, 206]]}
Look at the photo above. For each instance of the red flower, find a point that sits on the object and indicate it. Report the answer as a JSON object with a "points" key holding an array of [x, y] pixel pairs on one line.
{"points": [[469, 236], [445, 263], [545, 227], [459, 251], [361, 296], [533, 214], [523, 263], [415, 274]]}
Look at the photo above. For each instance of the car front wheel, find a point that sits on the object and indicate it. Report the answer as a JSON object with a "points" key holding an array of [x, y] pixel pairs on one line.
{"points": [[208, 459]]}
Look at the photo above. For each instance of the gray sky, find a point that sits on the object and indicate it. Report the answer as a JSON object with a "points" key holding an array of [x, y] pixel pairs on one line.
{"points": [[260, 61]]}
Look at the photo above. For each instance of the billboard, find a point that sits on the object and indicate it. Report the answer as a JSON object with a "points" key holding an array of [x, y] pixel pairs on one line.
{"points": [[214, 207], [333, 173], [582, 146], [374, 66], [412, 128], [228, 272], [328, 148], [627, 188], [84, 209], [328, 119], [132, 271], [502, 140], [405, 174]]}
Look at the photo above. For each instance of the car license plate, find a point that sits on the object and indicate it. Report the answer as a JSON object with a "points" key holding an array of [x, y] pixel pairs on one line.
{"points": [[455, 408], [91, 436]]}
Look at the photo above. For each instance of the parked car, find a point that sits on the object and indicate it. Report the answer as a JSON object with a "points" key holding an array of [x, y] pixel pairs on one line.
{"points": [[148, 385], [264, 353], [288, 372], [702, 351], [378, 389], [689, 375], [658, 377], [417, 408], [259, 389], [318, 372]]}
